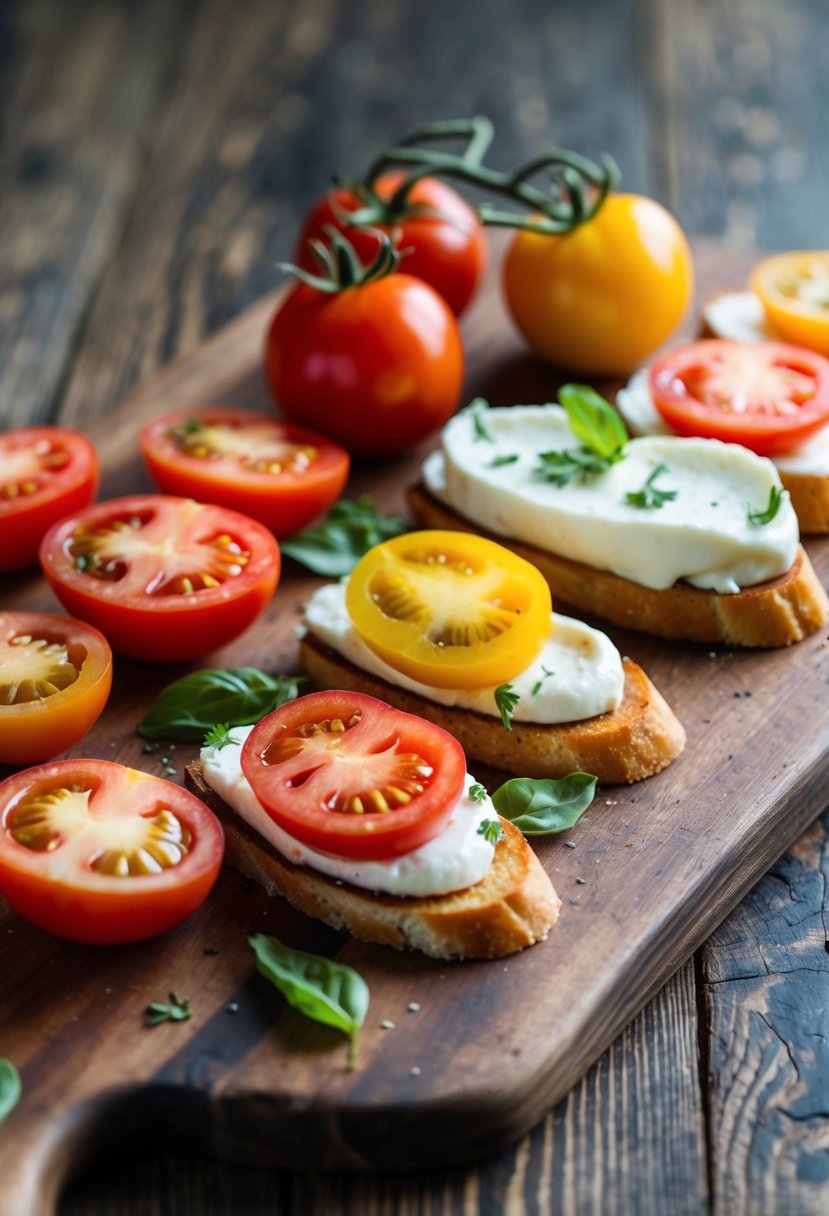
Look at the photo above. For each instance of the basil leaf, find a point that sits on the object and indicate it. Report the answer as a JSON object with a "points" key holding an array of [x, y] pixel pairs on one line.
{"points": [[237, 696], [541, 807], [777, 495], [491, 830], [9, 1088], [594, 421], [323, 990], [349, 530]]}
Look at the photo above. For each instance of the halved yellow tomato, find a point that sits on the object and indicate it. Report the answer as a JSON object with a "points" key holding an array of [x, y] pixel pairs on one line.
{"points": [[794, 290], [450, 609]]}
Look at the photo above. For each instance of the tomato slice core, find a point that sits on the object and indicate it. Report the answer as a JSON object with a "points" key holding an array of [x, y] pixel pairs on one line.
{"points": [[96, 852], [449, 609], [346, 774], [768, 396]]}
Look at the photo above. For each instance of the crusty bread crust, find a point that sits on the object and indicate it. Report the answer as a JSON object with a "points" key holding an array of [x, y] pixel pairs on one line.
{"points": [[512, 907], [809, 492], [775, 613], [632, 742]]}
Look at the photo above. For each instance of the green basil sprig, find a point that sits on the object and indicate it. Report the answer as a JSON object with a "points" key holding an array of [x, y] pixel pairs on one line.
{"points": [[602, 433], [323, 990], [235, 696], [542, 807], [9, 1088], [349, 530]]}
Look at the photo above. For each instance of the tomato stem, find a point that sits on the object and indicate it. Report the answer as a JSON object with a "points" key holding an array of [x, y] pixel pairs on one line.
{"points": [[341, 267], [577, 186]]}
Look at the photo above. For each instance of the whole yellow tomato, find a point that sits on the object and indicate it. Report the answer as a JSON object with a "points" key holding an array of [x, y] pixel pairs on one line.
{"points": [[600, 298]]}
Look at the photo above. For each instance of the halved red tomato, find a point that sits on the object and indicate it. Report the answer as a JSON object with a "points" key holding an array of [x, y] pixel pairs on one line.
{"points": [[767, 396], [450, 609], [55, 677], [45, 472], [166, 579], [282, 475], [95, 852], [349, 775]]}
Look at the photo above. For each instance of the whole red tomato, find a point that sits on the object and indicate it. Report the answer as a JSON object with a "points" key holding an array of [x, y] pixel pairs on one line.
{"points": [[444, 240], [377, 366]]}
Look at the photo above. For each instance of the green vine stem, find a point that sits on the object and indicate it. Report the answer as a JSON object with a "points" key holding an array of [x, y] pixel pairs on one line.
{"points": [[577, 186], [340, 266]]}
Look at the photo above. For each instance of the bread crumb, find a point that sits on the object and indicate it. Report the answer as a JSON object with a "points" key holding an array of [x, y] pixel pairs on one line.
{"points": [[387, 1025], [413, 1007]]}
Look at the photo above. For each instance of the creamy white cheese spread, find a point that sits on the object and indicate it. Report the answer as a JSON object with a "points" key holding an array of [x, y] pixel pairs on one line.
{"points": [[577, 675], [740, 317], [454, 859], [641, 416], [702, 535]]}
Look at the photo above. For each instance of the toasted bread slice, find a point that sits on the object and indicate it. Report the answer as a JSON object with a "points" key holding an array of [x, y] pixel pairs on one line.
{"points": [[628, 744], [775, 613], [513, 906]]}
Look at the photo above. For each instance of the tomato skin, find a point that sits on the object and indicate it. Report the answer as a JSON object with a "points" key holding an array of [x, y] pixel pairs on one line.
{"points": [[450, 254], [69, 487], [283, 502], [796, 317], [61, 893], [376, 367], [37, 730], [427, 569], [172, 627], [297, 774], [601, 298], [685, 385]]}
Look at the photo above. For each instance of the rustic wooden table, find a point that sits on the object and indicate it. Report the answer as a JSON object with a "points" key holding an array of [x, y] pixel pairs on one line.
{"points": [[155, 159]]}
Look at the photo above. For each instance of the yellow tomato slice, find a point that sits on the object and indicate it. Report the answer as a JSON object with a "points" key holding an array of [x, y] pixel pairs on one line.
{"points": [[794, 289], [450, 609]]}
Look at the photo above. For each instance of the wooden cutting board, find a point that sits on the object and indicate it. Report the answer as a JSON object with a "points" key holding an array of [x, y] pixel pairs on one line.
{"points": [[478, 1052]]}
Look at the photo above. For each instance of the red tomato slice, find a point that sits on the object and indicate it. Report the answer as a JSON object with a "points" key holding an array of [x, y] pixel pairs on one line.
{"points": [[55, 677], [282, 475], [349, 775], [95, 852], [767, 396], [45, 472], [166, 579]]}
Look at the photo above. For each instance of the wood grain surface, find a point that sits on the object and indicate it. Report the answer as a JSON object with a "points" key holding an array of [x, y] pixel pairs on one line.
{"points": [[654, 869], [714, 106]]}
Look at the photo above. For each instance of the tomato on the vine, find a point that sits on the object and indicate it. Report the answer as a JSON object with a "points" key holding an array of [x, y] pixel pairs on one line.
{"points": [[794, 290], [346, 774], [438, 232], [45, 472], [767, 396], [279, 474], [450, 609], [601, 297], [165, 579], [95, 852], [55, 677], [371, 357]]}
